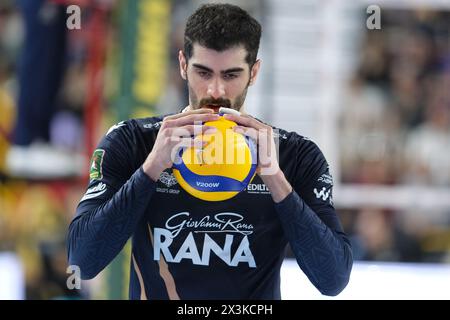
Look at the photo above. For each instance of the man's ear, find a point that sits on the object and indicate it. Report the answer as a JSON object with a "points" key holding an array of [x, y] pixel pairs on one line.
{"points": [[183, 64], [254, 72]]}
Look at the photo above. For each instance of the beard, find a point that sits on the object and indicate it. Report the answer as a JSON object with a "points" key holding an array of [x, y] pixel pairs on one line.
{"points": [[215, 104]]}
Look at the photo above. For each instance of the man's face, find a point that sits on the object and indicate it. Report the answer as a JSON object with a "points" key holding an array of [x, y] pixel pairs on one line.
{"points": [[217, 79]]}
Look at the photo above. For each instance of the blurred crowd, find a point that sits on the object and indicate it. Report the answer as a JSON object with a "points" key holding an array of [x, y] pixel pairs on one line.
{"points": [[394, 130], [37, 202], [395, 124]]}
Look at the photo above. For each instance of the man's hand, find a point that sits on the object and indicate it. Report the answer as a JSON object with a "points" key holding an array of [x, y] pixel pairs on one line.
{"points": [[176, 131], [262, 134], [268, 167]]}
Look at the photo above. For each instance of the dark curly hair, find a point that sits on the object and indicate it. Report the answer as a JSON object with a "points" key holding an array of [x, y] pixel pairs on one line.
{"points": [[220, 27]]}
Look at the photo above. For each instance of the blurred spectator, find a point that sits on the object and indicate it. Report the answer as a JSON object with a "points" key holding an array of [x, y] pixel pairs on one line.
{"points": [[395, 125], [363, 140], [41, 72], [428, 146], [379, 238], [395, 130]]}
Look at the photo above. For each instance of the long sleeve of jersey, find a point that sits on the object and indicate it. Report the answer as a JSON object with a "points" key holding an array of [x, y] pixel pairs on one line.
{"points": [[311, 224], [110, 210], [96, 236], [322, 253]]}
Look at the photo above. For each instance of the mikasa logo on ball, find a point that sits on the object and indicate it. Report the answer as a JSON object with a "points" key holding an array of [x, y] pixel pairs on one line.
{"points": [[208, 185]]}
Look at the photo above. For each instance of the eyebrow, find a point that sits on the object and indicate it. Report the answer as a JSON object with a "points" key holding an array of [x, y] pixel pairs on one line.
{"points": [[202, 67]]}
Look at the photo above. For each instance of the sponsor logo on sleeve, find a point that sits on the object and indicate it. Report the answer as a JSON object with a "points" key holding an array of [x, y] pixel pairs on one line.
{"points": [[94, 192], [326, 178], [324, 187], [95, 171], [324, 194]]}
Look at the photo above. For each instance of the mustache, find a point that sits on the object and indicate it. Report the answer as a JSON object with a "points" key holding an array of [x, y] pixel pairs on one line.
{"points": [[220, 102]]}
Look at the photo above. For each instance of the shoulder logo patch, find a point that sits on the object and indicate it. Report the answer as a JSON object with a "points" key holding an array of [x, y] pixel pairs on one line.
{"points": [[95, 171]]}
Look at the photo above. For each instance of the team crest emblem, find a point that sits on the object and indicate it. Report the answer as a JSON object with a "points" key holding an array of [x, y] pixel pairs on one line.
{"points": [[95, 172]]}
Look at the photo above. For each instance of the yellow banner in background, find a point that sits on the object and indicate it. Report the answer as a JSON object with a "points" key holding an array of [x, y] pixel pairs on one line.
{"points": [[144, 62], [144, 58]]}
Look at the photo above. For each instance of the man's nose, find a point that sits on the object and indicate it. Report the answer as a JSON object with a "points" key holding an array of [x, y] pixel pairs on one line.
{"points": [[216, 89]]}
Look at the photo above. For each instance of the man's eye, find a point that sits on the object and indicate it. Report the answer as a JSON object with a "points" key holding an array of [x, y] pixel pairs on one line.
{"points": [[230, 76], [203, 74]]}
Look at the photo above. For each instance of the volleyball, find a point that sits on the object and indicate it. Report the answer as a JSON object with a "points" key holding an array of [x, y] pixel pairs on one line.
{"points": [[221, 168]]}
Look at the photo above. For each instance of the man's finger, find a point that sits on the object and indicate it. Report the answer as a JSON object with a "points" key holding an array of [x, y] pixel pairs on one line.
{"points": [[196, 111], [192, 130], [245, 120], [249, 132], [193, 118]]}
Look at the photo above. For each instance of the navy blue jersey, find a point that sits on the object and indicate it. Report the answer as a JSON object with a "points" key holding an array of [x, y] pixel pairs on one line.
{"points": [[186, 248]]}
